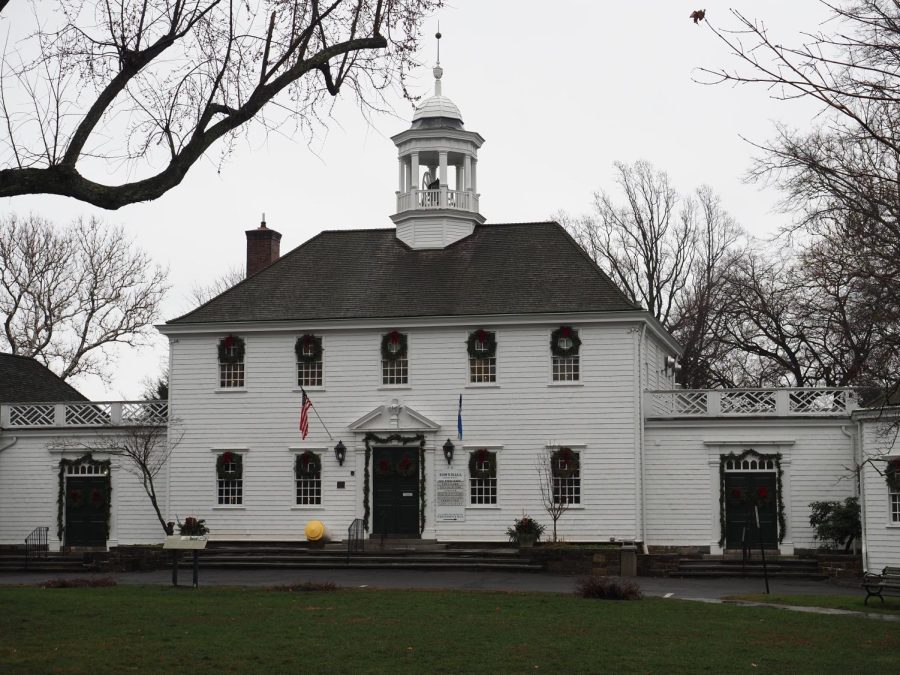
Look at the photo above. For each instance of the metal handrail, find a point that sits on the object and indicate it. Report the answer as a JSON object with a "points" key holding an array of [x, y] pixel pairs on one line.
{"points": [[355, 534], [36, 544]]}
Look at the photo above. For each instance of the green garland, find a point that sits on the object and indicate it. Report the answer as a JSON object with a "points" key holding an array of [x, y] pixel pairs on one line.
{"points": [[308, 465], [88, 460], [564, 332], [231, 349], [489, 338], [569, 458], [305, 341], [402, 440], [226, 458], [782, 520], [481, 456], [393, 338]]}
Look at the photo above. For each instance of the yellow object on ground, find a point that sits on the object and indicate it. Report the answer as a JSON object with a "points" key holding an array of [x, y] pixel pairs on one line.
{"points": [[315, 530]]}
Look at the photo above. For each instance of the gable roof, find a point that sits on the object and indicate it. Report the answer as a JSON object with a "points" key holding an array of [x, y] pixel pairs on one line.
{"points": [[24, 380], [521, 268]]}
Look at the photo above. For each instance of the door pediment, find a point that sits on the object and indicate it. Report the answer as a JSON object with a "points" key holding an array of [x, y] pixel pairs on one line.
{"points": [[394, 417]]}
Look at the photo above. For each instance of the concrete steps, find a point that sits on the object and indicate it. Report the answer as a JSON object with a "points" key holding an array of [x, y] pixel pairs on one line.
{"points": [[780, 567], [52, 562]]}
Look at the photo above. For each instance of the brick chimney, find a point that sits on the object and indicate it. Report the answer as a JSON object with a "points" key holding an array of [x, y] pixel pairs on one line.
{"points": [[263, 247]]}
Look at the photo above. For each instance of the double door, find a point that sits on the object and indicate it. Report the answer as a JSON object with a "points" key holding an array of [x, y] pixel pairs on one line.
{"points": [[395, 491]]}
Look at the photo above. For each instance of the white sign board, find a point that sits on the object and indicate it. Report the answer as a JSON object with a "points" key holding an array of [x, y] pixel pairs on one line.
{"points": [[451, 496], [185, 543]]}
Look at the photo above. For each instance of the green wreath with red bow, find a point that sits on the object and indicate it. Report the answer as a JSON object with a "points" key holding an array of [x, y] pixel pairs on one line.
{"points": [[564, 342], [231, 349], [486, 338]]}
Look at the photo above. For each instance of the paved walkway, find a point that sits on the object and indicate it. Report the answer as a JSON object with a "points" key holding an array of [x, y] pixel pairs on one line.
{"points": [[701, 589]]}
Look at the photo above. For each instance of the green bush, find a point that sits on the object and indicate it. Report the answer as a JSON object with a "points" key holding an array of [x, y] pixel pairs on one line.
{"points": [[606, 588], [836, 524]]}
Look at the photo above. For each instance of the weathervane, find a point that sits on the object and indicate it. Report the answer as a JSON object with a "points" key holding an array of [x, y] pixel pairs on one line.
{"points": [[438, 36]]}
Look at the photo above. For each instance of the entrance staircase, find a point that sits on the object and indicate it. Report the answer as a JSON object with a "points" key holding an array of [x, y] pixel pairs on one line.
{"points": [[417, 554], [732, 565]]}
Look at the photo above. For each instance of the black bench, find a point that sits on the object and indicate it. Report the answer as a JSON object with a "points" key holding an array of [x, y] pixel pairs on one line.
{"points": [[886, 583]]}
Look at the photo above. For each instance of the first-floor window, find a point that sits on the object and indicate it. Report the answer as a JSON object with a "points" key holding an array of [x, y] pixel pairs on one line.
{"points": [[895, 507], [482, 477], [230, 479], [308, 479], [565, 467]]}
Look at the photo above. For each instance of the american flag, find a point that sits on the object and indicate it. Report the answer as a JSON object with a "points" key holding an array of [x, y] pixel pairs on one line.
{"points": [[304, 415]]}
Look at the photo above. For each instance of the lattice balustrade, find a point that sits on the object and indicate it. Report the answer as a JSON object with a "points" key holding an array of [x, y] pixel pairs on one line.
{"points": [[145, 412], [689, 403], [751, 402], [31, 415], [88, 414], [813, 401]]}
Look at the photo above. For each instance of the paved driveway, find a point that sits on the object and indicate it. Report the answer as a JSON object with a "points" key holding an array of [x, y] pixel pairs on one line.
{"points": [[709, 589]]}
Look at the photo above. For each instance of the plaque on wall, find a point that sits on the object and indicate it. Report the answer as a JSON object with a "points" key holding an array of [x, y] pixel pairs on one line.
{"points": [[450, 503]]}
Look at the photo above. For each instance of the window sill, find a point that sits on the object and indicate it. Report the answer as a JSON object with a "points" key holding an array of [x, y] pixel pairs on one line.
{"points": [[308, 507], [892, 526], [482, 385], [483, 507], [298, 390], [566, 384], [394, 387], [229, 507], [230, 390]]}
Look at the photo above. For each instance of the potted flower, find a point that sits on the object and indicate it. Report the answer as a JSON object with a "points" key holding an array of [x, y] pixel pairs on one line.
{"points": [[525, 532], [192, 527]]}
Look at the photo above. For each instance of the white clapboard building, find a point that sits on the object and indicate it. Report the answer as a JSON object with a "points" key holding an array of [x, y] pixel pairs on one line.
{"points": [[450, 361]]}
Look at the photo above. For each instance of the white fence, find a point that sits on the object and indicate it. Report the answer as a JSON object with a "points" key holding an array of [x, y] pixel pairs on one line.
{"points": [[442, 198], [84, 414], [799, 402]]}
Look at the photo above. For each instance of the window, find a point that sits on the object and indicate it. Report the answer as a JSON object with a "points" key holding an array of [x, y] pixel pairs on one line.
{"points": [[231, 362], [309, 361], [482, 477], [565, 467], [565, 361], [482, 349], [308, 479], [895, 507], [892, 476], [394, 362], [230, 479]]}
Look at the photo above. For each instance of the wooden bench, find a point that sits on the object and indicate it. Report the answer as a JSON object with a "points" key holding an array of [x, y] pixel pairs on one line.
{"points": [[886, 583]]}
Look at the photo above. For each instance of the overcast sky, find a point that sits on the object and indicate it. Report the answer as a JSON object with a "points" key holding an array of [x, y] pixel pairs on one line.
{"points": [[559, 91]]}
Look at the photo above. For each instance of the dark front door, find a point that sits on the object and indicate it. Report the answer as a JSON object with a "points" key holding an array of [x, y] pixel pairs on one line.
{"points": [[395, 491], [743, 493], [86, 499]]}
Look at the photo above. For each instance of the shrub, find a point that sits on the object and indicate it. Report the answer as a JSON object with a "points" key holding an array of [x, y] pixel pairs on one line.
{"points": [[79, 583], [607, 588], [193, 527], [524, 527], [836, 524]]}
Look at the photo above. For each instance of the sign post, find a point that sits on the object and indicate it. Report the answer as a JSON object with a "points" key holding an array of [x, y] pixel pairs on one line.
{"points": [[177, 543]]}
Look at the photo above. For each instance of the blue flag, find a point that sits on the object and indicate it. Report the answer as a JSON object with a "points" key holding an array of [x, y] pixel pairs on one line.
{"points": [[459, 420]]}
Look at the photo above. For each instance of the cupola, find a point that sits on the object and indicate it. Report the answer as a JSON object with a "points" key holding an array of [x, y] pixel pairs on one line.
{"points": [[437, 199]]}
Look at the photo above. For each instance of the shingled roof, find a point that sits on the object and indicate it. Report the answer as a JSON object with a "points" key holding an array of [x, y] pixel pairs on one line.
{"points": [[24, 380], [522, 268]]}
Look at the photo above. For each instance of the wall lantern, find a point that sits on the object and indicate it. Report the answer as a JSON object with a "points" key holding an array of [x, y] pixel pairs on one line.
{"points": [[340, 452], [448, 451]]}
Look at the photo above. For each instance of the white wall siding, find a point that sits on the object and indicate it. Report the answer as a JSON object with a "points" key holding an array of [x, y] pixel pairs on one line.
{"points": [[522, 413], [683, 473], [882, 535]]}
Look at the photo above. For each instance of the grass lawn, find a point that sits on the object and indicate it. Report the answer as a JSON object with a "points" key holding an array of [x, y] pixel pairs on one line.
{"points": [[121, 629], [855, 603]]}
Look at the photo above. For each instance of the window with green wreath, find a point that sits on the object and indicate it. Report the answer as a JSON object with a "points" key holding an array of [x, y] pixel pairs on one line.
{"points": [[308, 479], [565, 467], [481, 347], [231, 361], [482, 477], [308, 350], [230, 479], [394, 361], [565, 363], [892, 476]]}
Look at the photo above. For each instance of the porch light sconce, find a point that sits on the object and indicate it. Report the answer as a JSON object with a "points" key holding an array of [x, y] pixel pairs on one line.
{"points": [[340, 452], [448, 451]]}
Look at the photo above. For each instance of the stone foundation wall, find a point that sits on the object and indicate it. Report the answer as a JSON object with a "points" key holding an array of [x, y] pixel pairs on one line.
{"points": [[579, 561]]}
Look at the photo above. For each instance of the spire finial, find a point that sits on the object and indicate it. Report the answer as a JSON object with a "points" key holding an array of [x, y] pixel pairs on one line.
{"points": [[438, 71]]}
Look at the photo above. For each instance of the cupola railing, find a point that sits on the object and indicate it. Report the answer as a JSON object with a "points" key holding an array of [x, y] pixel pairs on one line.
{"points": [[440, 198]]}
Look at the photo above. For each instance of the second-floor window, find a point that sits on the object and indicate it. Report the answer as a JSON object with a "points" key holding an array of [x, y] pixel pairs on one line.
{"points": [[394, 362], [231, 361], [482, 349], [565, 360], [309, 360]]}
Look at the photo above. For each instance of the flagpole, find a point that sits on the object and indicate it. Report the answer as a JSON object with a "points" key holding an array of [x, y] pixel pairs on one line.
{"points": [[313, 406]]}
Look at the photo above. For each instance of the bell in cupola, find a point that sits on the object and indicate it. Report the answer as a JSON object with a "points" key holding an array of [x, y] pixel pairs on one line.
{"points": [[437, 199]]}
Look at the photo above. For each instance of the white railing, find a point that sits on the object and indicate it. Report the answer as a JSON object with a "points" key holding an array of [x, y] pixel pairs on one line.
{"points": [[442, 198], [749, 402], [84, 414]]}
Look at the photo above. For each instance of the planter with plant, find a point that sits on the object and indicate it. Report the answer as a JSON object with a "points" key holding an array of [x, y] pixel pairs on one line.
{"points": [[525, 532]]}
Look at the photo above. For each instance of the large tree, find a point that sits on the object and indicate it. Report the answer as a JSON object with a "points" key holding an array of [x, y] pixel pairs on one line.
{"points": [[67, 295], [150, 86]]}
